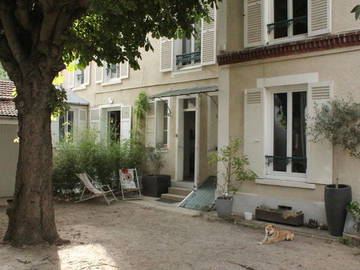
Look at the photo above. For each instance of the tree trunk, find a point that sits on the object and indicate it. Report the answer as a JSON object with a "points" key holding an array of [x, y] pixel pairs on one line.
{"points": [[31, 215]]}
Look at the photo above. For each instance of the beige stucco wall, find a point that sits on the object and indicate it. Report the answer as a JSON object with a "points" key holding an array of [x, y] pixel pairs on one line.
{"points": [[8, 156], [341, 67]]}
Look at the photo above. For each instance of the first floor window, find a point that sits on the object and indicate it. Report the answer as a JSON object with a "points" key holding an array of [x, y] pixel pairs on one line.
{"points": [[112, 71], [289, 132], [189, 49], [290, 18], [114, 125], [165, 124], [79, 78], [66, 124]]}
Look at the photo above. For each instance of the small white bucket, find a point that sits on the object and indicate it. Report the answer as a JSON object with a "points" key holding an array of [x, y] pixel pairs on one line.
{"points": [[248, 215]]}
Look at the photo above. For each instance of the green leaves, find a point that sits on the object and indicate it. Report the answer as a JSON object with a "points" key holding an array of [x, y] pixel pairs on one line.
{"points": [[234, 165], [337, 121], [356, 11]]}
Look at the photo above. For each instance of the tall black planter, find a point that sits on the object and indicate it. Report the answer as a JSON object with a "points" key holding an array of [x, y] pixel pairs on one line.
{"points": [[155, 185], [336, 200]]}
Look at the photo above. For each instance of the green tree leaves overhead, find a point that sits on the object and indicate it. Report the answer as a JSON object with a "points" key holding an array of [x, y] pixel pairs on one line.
{"points": [[3, 74]]}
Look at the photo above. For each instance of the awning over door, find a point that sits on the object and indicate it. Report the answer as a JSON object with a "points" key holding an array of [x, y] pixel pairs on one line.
{"points": [[187, 91]]}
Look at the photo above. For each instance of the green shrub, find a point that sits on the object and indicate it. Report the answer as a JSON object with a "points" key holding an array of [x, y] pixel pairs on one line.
{"points": [[99, 159]]}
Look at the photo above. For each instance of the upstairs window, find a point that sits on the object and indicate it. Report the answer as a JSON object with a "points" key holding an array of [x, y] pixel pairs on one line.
{"points": [[290, 18], [112, 72], [79, 78], [188, 50]]}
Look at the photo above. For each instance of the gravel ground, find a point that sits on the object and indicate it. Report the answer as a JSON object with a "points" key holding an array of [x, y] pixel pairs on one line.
{"points": [[129, 235]]}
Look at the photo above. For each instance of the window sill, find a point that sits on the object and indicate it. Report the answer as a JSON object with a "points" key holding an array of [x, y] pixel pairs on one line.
{"points": [[284, 183], [111, 82], [287, 39], [187, 69], [78, 88]]}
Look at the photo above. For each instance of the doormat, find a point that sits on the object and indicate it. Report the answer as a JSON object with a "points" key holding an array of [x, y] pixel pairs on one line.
{"points": [[203, 198], [166, 201]]}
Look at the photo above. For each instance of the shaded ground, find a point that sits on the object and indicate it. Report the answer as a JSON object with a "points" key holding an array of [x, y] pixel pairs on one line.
{"points": [[127, 235]]}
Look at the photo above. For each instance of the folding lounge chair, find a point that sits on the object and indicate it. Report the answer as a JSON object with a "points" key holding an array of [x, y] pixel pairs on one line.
{"points": [[95, 189], [129, 184]]}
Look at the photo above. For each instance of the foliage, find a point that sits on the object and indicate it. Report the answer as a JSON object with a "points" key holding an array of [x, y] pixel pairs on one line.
{"points": [[337, 121], [141, 108], [354, 209], [99, 159], [234, 166], [154, 161], [356, 11], [3, 74]]}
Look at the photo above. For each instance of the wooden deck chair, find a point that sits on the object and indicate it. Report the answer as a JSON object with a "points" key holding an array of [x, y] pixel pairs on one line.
{"points": [[129, 184], [95, 189]]}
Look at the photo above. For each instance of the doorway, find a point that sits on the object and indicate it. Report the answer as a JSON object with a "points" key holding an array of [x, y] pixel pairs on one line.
{"points": [[189, 145], [114, 126]]}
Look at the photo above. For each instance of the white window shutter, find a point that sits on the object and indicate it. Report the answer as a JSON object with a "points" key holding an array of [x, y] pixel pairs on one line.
{"points": [[55, 131], [254, 23], [124, 70], [99, 74], [150, 126], [319, 17], [95, 119], [208, 40], [71, 77], [82, 120], [87, 74], [320, 154], [159, 122], [254, 130], [166, 54], [125, 127]]}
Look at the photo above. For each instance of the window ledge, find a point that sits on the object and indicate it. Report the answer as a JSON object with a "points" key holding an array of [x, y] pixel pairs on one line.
{"points": [[284, 183], [195, 68], [81, 87], [111, 82]]}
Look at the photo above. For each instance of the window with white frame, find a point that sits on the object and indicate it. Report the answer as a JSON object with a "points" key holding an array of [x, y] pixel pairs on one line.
{"points": [[66, 125], [288, 132], [289, 18], [79, 78], [162, 123], [112, 72], [188, 50], [273, 21]]}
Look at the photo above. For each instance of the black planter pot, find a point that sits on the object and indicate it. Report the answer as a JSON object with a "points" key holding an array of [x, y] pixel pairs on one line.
{"points": [[155, 185], [336, 200]]}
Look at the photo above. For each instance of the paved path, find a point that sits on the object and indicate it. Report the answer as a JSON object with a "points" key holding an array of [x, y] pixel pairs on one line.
{"points": [[129, 235]]}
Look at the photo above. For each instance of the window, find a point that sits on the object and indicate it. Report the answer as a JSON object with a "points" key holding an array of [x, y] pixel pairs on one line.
{"points": [[112, 72], [114, 126], [79, 78], [66, 125], [288, 133], [162, 123], [188, 51], [165, 124], [289, 18]]}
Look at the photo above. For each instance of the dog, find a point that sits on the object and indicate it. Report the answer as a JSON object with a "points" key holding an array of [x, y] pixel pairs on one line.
{"points": [[273, 236]]}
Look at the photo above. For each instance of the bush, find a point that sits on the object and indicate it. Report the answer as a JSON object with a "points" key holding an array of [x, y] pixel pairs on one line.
{"points": [[99, 159]]}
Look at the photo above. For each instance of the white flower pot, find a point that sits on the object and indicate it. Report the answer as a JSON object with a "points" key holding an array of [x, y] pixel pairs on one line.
{"points": [[248, 215]]}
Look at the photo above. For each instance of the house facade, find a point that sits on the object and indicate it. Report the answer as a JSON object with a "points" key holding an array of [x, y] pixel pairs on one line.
{"points": [[278, 59], [180, 77]]}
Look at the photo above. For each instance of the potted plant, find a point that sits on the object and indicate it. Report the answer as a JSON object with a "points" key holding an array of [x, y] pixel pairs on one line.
{"points": [[352, 222], [154, 183], [337, 121], [233, 171]]}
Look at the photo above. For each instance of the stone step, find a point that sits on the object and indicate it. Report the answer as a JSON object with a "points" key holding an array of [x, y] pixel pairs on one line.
{"points": [[179, 191], [182, 184], [172, 197]]}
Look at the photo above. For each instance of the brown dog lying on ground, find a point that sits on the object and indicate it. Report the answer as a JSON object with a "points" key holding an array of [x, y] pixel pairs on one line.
{"points": [[274, 236]]}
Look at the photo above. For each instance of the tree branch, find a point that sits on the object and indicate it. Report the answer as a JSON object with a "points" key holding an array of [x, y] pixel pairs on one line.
{"points": [[22, 14], [8, 23]]}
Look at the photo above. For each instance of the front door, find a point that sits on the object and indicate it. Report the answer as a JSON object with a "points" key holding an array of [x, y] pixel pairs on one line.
{"points": [[189, 145]]}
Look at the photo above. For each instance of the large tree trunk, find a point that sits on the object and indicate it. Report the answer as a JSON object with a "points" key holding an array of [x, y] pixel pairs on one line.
{"points": [[31, 215]]}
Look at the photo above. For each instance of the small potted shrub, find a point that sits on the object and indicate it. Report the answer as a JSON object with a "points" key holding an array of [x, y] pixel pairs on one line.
{"points": [[154, 183], [337, 121], [352, 222], [234, 171]]}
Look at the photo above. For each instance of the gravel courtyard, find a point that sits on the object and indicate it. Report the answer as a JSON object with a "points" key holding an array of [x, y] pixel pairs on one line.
{"points": [[128, 235]]}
